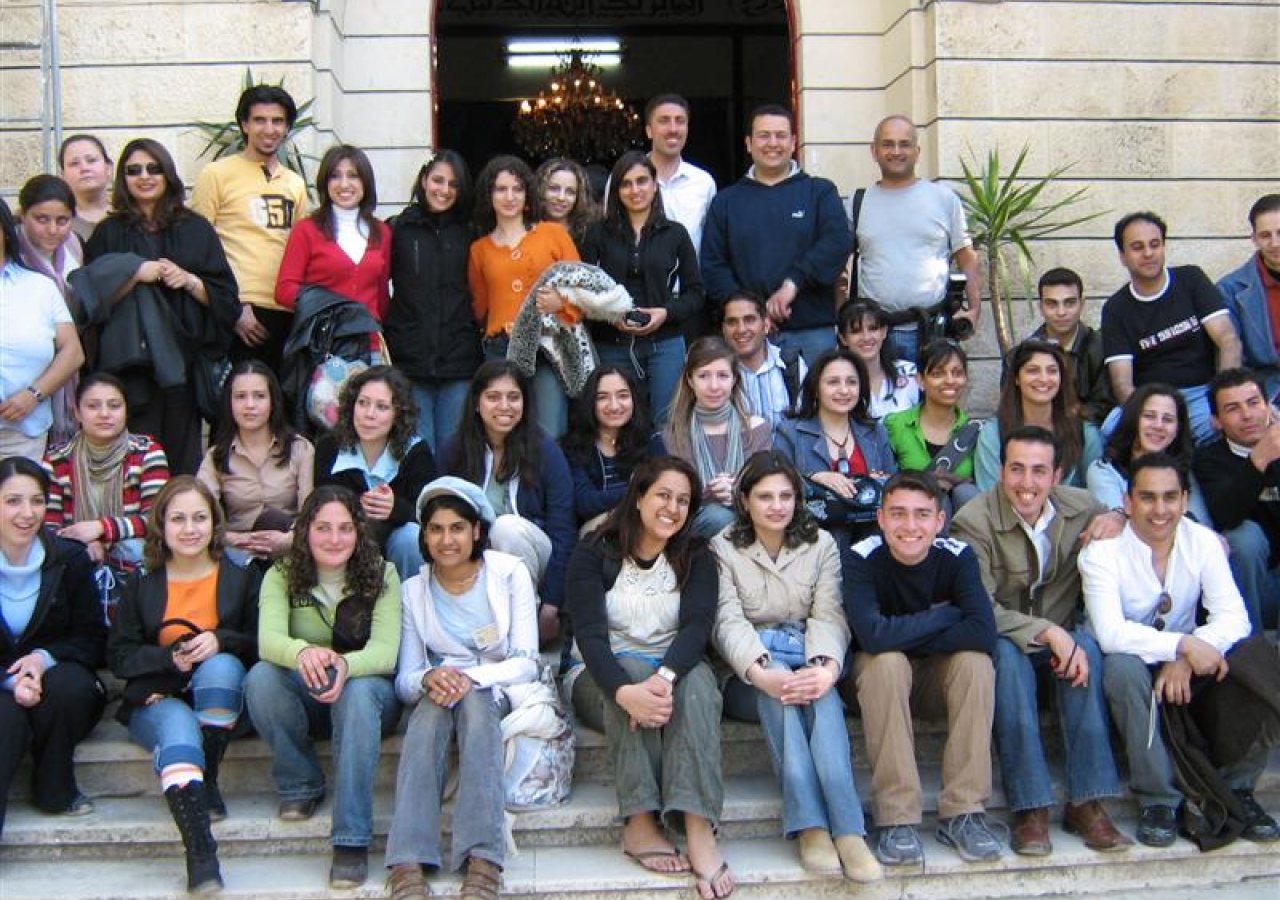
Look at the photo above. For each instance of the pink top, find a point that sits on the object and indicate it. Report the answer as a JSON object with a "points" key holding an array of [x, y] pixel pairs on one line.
{"points": [[312, 259]]}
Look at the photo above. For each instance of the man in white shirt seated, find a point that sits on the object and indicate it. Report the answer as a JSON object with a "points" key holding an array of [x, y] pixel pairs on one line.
{"points": [[1143, 590], [771, 378]]}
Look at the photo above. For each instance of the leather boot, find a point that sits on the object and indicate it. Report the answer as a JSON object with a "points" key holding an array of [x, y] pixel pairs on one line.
{"points": [[187, 805], [215, 742]]}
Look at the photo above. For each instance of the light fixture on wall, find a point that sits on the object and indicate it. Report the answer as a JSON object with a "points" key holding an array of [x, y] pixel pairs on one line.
{"points": [[575, 116]]}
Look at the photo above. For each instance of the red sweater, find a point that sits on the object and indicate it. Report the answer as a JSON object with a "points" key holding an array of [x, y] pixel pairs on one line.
{"points": [[310, 258]]}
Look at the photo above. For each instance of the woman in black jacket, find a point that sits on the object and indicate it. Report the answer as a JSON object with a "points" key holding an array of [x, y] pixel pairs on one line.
{"points": [[654, 259], [430, 327], [51, 639], [181, 302]]}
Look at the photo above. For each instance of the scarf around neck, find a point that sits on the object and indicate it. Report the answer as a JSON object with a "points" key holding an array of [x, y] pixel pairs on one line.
{"points": [[98, 489], [708, 466]]}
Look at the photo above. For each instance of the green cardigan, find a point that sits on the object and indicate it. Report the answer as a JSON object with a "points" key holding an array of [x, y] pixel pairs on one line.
{"points": [[284, 632], [907, 441]]}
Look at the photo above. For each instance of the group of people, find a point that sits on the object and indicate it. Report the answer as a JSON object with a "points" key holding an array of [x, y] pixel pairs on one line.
{"points": [[772, 517]]}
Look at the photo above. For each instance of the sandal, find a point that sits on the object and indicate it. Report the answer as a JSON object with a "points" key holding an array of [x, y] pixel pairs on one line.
{"points": [[407, 883], [482, 881], [709, 881], [643, 859]]}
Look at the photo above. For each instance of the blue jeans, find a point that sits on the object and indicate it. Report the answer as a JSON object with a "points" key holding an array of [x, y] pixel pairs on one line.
{"points": [[1250, 566], [809, 749], [811, 342], [478, 809], [551, 403], [440, 405], [403, 550], [907, 342], [288, 718], [712, 518], [1197, 397], [1082, 719], [656, 365], [170, 728]]}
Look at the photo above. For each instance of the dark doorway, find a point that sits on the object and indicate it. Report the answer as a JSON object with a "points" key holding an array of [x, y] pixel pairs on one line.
{"points": [[725, 56]]}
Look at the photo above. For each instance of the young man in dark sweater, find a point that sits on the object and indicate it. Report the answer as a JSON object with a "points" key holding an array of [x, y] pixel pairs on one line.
{"points": [[924, 633], [1240, 477]]}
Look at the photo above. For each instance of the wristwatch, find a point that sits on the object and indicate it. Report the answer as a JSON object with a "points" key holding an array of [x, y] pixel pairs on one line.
{"points": [[668, 675], [37, 393]]}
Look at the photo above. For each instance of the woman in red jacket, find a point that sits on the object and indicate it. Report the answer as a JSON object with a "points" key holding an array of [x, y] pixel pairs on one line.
{"points": [[340, 246]]}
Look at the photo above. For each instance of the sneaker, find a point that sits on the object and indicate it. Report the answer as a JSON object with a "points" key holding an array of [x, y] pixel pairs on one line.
{"points": [[899, 845], [1258, 826], [83, 806], [972, 837], [1157, 826]]}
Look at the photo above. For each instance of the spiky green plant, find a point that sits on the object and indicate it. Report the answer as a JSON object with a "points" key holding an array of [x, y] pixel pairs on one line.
{"points": [[224, 138], [1006, 213]]}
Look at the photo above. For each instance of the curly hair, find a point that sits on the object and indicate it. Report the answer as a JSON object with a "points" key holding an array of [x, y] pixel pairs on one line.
{"points": [[169, 209], [365, 574], [155, 552], [623, 530], [1068, 429], [1120, 448], [485, 218], [404, 427], [579, 442], [277, 418], [808, 408], [584, 210], [803, 527]]}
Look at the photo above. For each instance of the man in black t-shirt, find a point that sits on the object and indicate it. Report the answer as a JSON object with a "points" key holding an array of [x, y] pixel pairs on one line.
{"points": [[1166, 325]]}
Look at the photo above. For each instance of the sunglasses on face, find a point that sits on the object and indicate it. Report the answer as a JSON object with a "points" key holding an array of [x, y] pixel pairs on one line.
{"points": [[1163, 607], [133, 170]]}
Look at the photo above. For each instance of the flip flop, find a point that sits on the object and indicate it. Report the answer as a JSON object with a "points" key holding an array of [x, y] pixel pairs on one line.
{"points": [[641, 859], [709, 881]]}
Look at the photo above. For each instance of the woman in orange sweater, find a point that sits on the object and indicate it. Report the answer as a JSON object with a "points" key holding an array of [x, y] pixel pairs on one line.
{"points": [[504, 264]]}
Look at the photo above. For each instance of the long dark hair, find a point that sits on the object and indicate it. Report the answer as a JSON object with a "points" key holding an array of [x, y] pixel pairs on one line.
{"points": [[461, 209], [404, 428], [1119, 450], [277, 420], [853, 316], [579, 442], [616, 217], [808, 408], [936, 354], [622, 531], [522, 451], [155, 552], [9, 228], [803, 527], [485, 218], [323, 214], [1068, 430], [366, 573], [169, 209]]}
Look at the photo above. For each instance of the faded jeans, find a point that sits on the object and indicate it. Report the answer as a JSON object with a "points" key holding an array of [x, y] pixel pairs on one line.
{"points": [[170, 728]]}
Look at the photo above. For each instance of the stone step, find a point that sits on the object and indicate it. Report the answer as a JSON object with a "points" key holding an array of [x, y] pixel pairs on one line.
{"points": [[766, 869]]}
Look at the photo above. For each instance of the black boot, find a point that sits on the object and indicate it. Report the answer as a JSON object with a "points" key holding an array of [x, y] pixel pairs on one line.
{"points": [[215, 744], [187, 805]]}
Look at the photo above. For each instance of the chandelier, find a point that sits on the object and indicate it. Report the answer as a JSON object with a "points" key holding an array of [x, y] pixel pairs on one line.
{"points": [[575, 117]]}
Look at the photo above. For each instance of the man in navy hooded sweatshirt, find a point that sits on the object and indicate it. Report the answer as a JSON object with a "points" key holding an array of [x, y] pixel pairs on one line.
{"points": [[780, 233]]}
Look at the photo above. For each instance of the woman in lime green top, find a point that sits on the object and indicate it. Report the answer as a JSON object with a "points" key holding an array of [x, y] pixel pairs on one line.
{"points": [[328, 637], [919, 434]]}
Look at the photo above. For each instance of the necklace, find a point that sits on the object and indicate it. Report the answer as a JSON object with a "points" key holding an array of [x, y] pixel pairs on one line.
{"points": [[457, 585], [842, 444]]}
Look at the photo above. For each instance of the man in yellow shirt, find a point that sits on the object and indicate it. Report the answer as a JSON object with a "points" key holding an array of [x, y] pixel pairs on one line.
{"points": [[253, 199]]}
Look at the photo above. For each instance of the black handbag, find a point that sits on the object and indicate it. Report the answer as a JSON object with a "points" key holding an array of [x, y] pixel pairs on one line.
{"points": [[167, 684], [834, 511]]}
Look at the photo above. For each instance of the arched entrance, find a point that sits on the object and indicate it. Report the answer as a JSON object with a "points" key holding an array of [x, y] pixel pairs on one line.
{"points": [[725, 56]]}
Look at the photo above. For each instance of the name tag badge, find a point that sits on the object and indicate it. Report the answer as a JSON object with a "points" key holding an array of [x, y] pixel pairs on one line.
{"points": [[486, 636]]}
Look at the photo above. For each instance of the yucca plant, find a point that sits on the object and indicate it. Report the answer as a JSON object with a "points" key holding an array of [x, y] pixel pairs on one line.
{"points": [[224, 138], [1006, 213]]}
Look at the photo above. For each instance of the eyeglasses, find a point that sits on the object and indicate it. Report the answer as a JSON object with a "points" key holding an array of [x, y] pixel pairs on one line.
{"points": [[1164, 605], [133, 170]]}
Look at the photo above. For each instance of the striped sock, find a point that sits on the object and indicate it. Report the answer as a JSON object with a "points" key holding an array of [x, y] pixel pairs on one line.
{"points": [[179, 775]]}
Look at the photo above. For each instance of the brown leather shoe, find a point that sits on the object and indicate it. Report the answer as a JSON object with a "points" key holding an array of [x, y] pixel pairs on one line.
{"points": [[1030, 836], [1090, 821]]}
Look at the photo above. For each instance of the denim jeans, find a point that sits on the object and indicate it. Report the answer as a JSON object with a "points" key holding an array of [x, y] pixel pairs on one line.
{"points": [[656, 365], [289, 719], [170, 728], [1197, 397], [477, 810], [440, 406], [1250, 554], [809, 749], [403, 550], [1082, 719], [712, 518], [907, 342], [812, 342], [551, 403]]}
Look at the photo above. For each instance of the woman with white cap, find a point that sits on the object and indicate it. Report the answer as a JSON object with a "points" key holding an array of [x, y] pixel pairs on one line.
{"points": [[470, 630]]}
